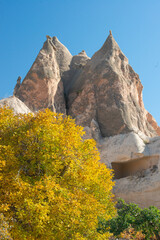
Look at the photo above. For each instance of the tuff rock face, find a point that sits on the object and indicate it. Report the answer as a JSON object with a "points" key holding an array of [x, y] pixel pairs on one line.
{"points": [[76, 68], [42, 86], [63, 58], [14, 103], [104, 95], [144, 191], [110, 92], [104, 89], [135, 160]]}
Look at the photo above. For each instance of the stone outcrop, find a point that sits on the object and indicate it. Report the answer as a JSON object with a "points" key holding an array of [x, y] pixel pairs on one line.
{"points": [[127, 148], [144, 190], [110, 92], [42, 87], [120, 148], [15, 104], [135, 160], [63, 57], [78, 62], [104, 88], [104, 95]]}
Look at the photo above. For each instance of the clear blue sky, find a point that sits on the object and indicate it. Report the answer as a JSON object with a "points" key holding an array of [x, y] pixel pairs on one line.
{"points": [[82, 24]]}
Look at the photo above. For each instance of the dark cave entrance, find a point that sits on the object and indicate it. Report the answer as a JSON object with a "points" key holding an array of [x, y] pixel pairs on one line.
{"points": [[137, 166]]}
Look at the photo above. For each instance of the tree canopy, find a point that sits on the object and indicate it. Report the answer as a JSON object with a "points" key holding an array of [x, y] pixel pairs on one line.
{"points": [[52, 185], [133, 221]]}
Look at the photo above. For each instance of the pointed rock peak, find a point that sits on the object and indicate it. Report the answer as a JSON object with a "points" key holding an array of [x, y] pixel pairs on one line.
{"points": [[110, 51], [63, 56], [60, 47], [110, 43], [82, 53], [48, 45], [55, 39], [79, 60], [48, 37]]}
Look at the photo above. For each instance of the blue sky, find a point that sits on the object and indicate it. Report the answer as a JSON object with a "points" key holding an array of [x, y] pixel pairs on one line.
{"points": [[82, 24]]}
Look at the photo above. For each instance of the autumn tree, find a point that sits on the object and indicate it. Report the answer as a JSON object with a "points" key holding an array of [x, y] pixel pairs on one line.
{"points": [[52, 185]]}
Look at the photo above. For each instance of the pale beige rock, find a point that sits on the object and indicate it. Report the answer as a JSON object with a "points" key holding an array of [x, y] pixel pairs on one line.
{"points": [[77, 65], [120, 148], [64, 58], [135, 160], [42, 86], [79, 61], [136, 165], [96, 133], [15, 104], [104, 88], [144, 191], [153, 147], [110, 92], [93, 132]]}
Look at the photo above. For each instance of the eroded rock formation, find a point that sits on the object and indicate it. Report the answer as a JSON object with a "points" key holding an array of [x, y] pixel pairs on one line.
{"points": [[104, 88], [14, 103], [104, 95], [110, 92], [143, 190], [42, 87]]}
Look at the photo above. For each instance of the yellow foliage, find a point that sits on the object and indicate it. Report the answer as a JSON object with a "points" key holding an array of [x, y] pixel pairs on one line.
{"points": [[132, 234], [52, 183]]}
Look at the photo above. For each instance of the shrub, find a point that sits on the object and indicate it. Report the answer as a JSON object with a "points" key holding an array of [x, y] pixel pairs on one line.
{"points": [[133, 220]]}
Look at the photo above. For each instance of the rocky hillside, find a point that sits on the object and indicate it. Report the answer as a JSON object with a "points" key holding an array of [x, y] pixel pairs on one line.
{"points": [[104, 95]]}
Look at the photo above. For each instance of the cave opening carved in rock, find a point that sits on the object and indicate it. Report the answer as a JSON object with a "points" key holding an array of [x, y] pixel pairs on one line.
{"points": [[137, 166]]}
